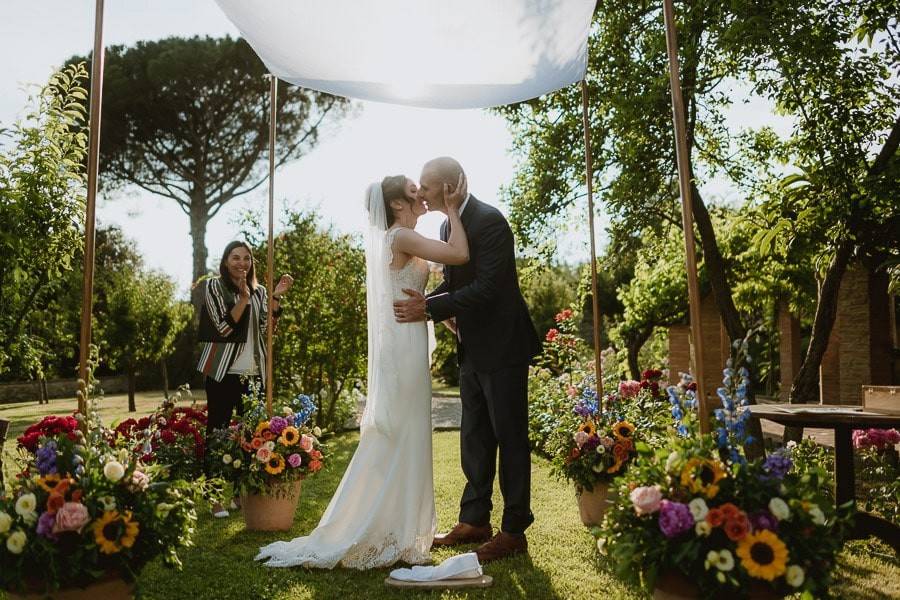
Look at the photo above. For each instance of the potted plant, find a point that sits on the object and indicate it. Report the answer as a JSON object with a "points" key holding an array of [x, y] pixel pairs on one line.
{"points": [[83, 516], [268, 457], [697, 519]]}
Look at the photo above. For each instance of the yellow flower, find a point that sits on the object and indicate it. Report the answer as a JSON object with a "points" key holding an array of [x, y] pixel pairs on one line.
{"points": [[275, 464], [289, 436], [114, 531], [623, 430], [48, 482], [702, 476], [588, 427], [263, 425], [763, 555]]}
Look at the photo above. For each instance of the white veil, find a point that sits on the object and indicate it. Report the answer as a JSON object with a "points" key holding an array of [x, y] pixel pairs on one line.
{"points": [[380, 311]]}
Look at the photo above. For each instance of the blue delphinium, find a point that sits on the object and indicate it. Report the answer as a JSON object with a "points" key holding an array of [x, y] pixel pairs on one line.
{"points": [[587, 404], [46, 458], [303, 407], [683, 399], [734, 414], [777, 465]]}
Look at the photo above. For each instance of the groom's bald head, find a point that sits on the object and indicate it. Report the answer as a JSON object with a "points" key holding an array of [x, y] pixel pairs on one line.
{"points": [[435, 173]]}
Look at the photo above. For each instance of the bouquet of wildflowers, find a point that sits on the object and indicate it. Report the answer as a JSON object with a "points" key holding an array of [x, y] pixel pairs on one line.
{"points": [[726, 525], [260, 454]]}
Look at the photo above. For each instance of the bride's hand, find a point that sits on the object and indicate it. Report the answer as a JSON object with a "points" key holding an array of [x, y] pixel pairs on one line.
{"points": [[454, 198]]}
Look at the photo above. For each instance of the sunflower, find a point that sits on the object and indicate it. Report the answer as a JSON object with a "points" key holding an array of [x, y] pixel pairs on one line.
{"points": [[48, 482], [763, 555], [275, 464], [623, 430], [289, 436], [588, 427], [114, 531], [262, 426], [702, 476]]}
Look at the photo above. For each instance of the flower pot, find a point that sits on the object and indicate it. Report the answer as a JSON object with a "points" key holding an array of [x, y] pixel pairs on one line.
{"points": [[673, 585], [593, 504], [111, 588], [271, 512]]}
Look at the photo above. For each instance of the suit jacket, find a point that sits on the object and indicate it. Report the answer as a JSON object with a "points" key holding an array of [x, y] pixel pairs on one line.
{"points": [[484, 296]]}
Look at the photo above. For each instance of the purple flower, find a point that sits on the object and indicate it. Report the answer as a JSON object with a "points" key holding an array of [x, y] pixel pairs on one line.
{"points": [[46, 458], [295, 460], [763, 520], [591, 443], [777, 465], [277, 425], [45, 525], [674, 518]]}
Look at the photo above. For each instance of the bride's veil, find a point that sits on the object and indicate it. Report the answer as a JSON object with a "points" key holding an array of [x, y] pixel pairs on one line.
{"points": [[379, 308]]}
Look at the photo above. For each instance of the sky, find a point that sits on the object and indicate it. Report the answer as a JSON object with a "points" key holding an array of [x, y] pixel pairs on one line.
{"points": [[379, 140]]}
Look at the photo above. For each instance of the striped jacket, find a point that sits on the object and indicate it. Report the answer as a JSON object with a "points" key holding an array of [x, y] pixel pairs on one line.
{"points": [[217, 357]]}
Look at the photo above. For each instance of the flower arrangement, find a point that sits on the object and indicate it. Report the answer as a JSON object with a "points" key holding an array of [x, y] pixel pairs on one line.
{"points": [[726, 525], [173, 436], [879, 439], [260, 454], [48, 426], [82, 509]]}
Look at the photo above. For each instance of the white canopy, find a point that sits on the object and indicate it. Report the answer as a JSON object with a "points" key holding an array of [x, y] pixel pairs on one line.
{"points": [[428, 53]]}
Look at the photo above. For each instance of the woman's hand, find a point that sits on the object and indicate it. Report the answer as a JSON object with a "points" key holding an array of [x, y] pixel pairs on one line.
{"points": [[454, 198], [284, 284], [243, 289]]}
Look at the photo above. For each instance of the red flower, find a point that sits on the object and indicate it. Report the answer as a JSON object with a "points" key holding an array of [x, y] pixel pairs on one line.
{"points": [[564, 315], [315, 466], [737, 528], [715, 517], [551, 335]]}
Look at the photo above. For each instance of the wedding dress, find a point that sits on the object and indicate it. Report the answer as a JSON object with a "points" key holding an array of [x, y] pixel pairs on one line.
{"points": [[383, 510]]}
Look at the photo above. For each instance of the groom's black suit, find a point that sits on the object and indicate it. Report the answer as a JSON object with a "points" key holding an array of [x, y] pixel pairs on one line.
{"points": [[497, 341]]}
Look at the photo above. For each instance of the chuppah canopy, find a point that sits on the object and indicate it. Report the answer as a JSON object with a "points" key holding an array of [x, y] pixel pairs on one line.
{"points": [[428, 53]]}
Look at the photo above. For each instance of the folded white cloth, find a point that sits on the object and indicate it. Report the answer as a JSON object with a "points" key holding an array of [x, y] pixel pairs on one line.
{"points": [[461, 566]]}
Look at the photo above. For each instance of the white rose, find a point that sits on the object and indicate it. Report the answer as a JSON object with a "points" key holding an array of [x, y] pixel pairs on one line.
{"points": [[26, 506], [226, 459], [672, 461], [16, 541], [795, 576], [114, 471], [702, 528], [779, 509], [317, 431], [270, 445], [817, 515], [5, 522], [236, 464], [286, 411], [698, 509], [790, 446], [726, 561]]}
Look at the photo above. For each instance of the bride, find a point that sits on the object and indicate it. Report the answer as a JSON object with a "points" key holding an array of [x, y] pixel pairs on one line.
{"points": [[383, 510]]}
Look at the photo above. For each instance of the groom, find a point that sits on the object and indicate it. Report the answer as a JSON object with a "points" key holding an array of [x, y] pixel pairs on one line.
{"points": [[496, 340]]}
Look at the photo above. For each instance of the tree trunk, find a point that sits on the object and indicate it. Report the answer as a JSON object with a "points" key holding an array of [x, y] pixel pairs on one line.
{"points": [[199, 221], [42, 388], [165, 377], [131, 389], [633, 347], [805, 388]]}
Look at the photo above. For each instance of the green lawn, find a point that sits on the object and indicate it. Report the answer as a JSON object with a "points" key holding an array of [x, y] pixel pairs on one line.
{"points": [[563, 561]]}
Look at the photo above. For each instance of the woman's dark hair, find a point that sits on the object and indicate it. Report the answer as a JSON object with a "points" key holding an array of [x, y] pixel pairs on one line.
{"points": [[393, 187], [223, 267]]}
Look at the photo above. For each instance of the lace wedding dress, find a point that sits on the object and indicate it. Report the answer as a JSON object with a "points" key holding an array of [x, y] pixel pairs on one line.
{"points": [[383, 510]]}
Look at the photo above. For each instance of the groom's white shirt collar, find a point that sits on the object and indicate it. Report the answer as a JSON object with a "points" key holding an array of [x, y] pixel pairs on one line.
{"points": [[465, 203]]}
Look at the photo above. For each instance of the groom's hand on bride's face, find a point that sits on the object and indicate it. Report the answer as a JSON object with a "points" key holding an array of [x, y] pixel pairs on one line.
{"points": [[412, 310]]}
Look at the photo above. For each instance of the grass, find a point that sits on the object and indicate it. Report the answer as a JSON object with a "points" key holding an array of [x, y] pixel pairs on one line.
{"points": [[563, 561]]}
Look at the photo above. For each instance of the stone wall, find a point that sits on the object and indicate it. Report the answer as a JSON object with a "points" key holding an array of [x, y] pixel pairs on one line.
{"points": [[29, 391]]}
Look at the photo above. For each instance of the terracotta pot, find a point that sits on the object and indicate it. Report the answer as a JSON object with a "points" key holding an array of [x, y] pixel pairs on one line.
{"points": [[672, 585], [113, 588], [592, 505], [273, 512]]}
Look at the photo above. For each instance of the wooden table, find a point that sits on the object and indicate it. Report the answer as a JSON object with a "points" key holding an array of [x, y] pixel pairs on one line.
{"points": [[843, 420]]}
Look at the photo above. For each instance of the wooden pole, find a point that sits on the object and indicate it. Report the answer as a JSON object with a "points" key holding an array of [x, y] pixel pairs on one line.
{"points": [[91, 203], [273, 112], [598, 370], [687, 219]]}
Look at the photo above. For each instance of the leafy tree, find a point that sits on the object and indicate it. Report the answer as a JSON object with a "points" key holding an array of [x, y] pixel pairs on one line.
{"points": [[141, 322], [42, 187], [547, 290], [321, 341], [187, 119]]}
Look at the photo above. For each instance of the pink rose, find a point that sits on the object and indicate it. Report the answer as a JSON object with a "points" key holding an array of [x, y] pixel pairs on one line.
{"points": [[73, 516], [263, 454], [629, 389], [646, 499], [306, 443], [580, 438], [295, 460], [139, 481]]}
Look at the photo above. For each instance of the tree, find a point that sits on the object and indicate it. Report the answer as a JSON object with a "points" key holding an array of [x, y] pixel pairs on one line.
{"points": [[42, 187], [187, 119], [321, 343], [141, 322]]}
